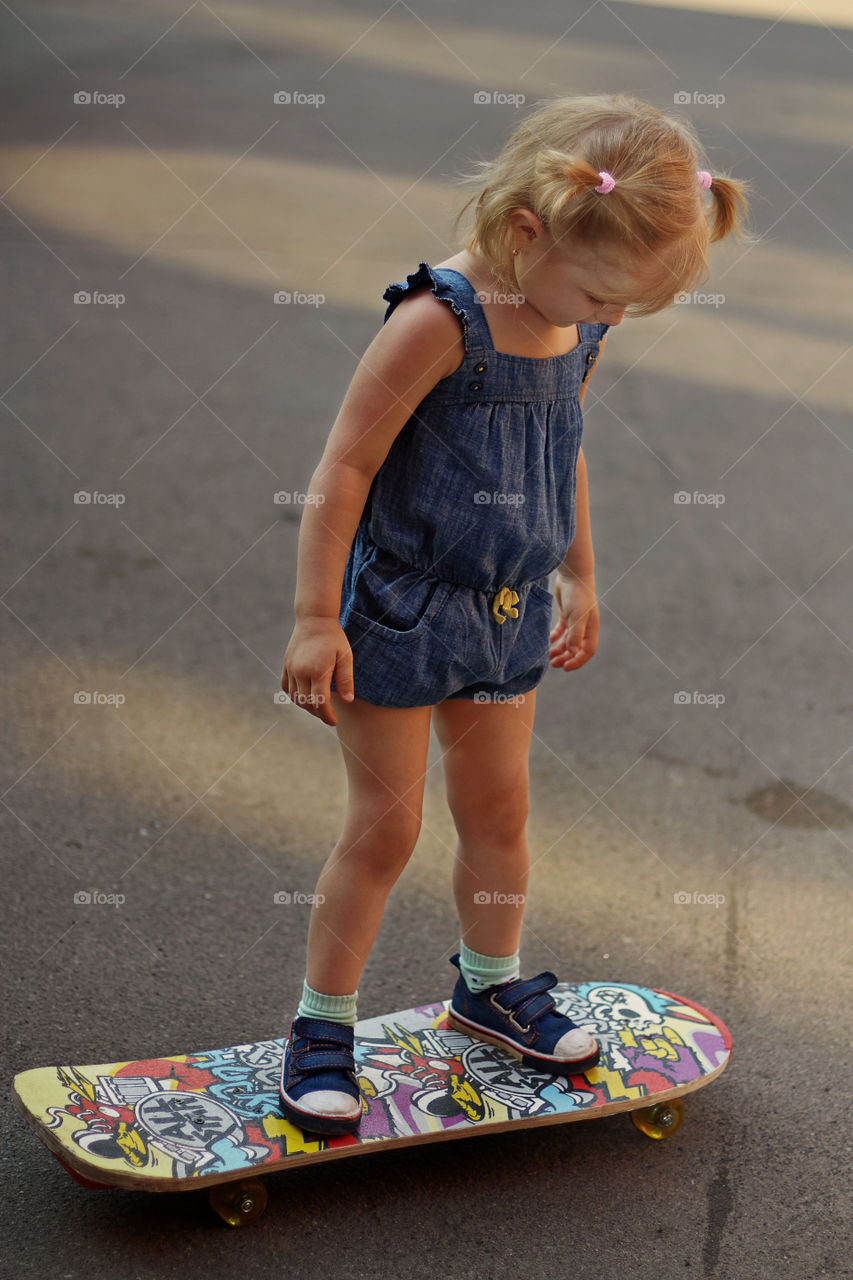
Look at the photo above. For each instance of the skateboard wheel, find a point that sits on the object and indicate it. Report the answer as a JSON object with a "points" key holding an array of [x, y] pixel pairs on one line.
{"points": [[81, 1178], [239, 1203], [661, 1120]]}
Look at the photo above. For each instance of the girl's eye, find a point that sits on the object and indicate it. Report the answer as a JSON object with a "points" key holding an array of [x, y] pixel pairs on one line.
{"points": [[598, 302]]}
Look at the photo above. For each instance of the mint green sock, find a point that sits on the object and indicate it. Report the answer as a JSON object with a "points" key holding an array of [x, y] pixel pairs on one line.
{"points": [[330, 1008], [481, 971]]}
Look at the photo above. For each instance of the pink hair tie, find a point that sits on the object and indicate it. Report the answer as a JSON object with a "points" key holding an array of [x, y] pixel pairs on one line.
{"points": [[704, 177], [608, 182]]}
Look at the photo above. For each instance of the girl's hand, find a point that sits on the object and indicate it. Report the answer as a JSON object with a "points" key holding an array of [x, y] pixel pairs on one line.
{"points": [[317, 648], [575, 637]]}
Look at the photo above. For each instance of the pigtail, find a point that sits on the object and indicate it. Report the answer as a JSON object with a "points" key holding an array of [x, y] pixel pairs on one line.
{"points": [[729, 202], [563, 177]]}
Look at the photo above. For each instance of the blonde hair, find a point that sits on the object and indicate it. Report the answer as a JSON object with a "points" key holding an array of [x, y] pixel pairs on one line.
{"points": [[551, 163]]}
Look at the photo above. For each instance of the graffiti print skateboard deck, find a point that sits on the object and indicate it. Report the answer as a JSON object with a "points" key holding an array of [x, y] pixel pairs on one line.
{"points": [[214, 1119]]}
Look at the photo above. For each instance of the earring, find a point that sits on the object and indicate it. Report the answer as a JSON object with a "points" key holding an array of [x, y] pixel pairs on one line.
{"points": [[514, 252]]}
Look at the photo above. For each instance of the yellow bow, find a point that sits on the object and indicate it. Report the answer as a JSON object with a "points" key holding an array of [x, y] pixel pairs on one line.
{"points": [[505, 599]]}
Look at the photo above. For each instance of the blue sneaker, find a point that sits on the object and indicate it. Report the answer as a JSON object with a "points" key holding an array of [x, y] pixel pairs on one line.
{"points": [[520, 1016], [319, 1088]]}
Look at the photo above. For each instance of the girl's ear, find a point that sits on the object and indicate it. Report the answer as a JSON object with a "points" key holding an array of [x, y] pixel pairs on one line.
{"points": [[526, 222]]}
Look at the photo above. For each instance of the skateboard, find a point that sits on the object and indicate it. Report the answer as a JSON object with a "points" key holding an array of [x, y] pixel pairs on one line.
{"points": [[212, 1120]]}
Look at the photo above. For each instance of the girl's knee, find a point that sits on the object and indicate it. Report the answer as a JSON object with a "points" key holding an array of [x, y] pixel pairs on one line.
{"points": [[494, 815], [383, 838]]}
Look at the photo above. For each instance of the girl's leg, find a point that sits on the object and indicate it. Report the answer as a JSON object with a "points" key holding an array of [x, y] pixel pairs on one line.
{"points": [[385, 753], [486, 746]]}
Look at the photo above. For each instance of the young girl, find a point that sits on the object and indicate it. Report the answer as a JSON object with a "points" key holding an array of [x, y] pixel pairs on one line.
{"points": [[452, 485]]}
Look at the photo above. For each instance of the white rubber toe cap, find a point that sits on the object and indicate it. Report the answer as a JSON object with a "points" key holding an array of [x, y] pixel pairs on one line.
{"points": [[329, 1102], [575, 1045]]}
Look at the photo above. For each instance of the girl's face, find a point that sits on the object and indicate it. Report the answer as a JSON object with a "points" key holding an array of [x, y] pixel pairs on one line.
{"points": [[580, 286]]}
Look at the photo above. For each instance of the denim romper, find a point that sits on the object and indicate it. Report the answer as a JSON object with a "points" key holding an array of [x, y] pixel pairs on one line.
{"points": [[446, 589]]}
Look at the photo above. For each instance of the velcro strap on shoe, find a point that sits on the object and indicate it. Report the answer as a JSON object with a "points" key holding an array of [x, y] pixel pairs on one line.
{"points": [[527, 1000], [322, 1046], [533, 1008], [321, 1060], [317, 1029]]}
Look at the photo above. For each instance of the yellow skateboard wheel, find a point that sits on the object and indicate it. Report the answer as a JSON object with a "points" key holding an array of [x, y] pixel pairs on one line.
{"points": [[239, 1203], [661, 1120]]}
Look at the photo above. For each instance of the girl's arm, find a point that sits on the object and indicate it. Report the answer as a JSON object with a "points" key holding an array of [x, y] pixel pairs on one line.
{"points": [[579, 557], [420, 344], [579, 561], [574, 638]]}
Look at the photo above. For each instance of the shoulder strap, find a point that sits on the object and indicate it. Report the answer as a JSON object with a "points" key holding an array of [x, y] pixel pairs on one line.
{"points": [[478, 337], [592, 332], [451, 287]]}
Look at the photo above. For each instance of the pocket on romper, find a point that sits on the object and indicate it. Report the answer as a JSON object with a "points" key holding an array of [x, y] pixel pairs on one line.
{"points": [[543, 599], [398, 608], [539, 615], [545, 594]]}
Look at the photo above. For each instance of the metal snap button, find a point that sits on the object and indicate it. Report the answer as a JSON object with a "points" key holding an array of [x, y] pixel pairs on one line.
{"points": [[475, 386], [590, 358], [480, 368]]}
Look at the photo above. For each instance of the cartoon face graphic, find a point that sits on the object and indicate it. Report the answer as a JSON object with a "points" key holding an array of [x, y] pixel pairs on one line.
{"points": [[616, 1007], [188, 1118], [503, 1077]]}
